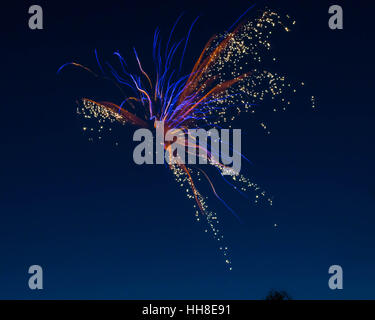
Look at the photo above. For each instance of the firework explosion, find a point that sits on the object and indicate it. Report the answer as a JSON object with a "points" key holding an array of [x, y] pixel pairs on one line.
{"points": [[226, 81]]}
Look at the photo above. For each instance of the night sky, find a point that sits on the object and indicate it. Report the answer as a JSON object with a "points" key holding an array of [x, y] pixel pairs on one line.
{"points": [[103, 227]]}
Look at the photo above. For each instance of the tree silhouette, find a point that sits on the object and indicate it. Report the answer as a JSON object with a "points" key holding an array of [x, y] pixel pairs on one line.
{"points": [[278, 295]]}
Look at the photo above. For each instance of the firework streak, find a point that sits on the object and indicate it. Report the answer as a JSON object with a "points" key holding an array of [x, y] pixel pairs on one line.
{"points": [[226, 80]]}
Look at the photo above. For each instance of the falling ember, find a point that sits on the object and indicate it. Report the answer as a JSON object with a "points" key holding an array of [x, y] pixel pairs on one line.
{"points": [[227, 80]]}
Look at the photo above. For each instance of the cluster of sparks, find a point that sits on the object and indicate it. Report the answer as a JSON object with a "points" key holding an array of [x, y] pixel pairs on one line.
{"points": [[226, 81]]}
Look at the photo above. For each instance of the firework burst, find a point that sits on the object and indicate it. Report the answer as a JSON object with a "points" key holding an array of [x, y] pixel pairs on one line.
{"points": [[226, 81]]}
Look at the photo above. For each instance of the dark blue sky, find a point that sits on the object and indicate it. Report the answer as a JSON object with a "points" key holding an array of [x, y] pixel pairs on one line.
{"points": [[103, 227]]}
